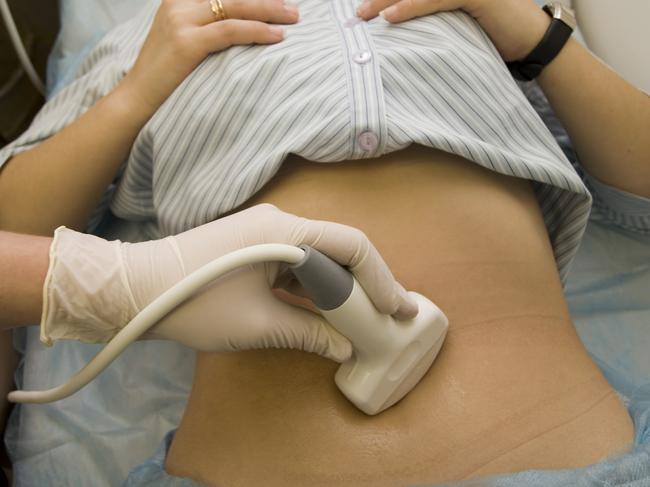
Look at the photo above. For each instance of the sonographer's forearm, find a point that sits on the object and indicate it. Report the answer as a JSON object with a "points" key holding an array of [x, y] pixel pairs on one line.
{"points": [[608, 119], [60, 181], [24, 260]]}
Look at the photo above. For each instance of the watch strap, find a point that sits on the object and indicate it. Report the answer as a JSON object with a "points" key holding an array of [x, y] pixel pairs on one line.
{"points": [[554, 39]]}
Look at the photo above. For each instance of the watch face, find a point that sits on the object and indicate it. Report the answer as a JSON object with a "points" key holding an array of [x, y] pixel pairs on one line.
{"points": [[560, 12]]}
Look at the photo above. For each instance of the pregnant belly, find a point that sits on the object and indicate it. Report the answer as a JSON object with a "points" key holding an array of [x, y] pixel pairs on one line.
{"points": [[512, 389]]}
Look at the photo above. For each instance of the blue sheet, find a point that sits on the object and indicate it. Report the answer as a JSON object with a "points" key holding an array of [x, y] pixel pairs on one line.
{"points": [[119, 420]]}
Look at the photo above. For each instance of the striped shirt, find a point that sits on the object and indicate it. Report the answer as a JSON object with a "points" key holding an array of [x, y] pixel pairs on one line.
{"points": [[336, 88]]}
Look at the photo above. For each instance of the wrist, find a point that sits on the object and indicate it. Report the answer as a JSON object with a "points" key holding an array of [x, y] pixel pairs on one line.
{"points": [[535, 31], [129, 99], [547, 49], [151, 268], [515, 30], [85, 294], [560, 66]]}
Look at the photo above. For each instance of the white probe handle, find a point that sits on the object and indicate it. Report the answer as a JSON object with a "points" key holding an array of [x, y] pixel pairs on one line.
{"points": [[390, 357]]}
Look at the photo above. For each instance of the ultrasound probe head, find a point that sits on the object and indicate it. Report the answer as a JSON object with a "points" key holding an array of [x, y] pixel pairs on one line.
{"points": [[389, 357]]}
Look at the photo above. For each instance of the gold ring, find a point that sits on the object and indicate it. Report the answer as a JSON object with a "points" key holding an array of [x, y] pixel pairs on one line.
{"points": [[218, 10]]}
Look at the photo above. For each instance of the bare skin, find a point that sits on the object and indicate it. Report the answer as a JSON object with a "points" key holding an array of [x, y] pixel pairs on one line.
{"points": [[83, 158], [607, 118], [512, 389], [75, 166]]}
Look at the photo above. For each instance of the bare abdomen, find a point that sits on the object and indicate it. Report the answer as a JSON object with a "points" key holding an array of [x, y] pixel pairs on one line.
{"points": [[512, 389]]}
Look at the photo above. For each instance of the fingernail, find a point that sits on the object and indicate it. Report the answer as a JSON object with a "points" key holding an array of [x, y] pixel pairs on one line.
{"points": [[361, 9], [291, 9], [407, 311], [341, 351], [388, 11], [407, 305], [278, 31]]}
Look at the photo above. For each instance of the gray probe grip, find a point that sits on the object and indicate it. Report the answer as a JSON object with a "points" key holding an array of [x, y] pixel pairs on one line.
{"points": [[327, 283]]}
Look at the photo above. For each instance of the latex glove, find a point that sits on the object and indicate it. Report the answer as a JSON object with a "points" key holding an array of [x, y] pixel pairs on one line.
{"points": [[515, 26], [95, 287]]}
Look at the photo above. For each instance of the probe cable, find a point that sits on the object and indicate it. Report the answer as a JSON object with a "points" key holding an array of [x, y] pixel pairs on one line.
{"points": [[157, 309], [21, 52]]}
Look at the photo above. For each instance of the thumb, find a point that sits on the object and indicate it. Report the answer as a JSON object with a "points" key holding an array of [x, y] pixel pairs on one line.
{"points": [[303, 330]]}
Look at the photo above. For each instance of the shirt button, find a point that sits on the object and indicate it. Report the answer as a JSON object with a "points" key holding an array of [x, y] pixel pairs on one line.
{"points": [[351, 22], [368, 141], [362, 57]]}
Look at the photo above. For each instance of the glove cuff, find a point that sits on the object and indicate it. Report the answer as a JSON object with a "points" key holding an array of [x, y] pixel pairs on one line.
{"points": [[86, 294]]}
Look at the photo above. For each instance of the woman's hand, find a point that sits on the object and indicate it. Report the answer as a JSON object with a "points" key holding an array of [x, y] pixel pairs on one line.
{"points": [[111, 282], [515, 26], [184, 32], [606, 117], [75, 166]]}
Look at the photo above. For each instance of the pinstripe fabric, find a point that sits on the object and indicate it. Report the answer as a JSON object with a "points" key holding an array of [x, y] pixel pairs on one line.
{"points": [[435, 81], [617, 207]]}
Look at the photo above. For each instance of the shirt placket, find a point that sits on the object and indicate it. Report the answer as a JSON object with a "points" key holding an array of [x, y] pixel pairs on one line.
{"points": [[368, 135]]}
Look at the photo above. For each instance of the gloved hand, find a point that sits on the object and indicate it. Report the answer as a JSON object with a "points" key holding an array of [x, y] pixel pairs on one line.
{"points": [[95, 287]]}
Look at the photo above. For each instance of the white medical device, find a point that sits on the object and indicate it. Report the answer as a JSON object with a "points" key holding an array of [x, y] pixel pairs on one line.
{"points": [[389, 357], [19, 47]]}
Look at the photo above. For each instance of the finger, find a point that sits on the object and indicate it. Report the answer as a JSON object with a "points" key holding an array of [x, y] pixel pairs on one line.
{"points": [[408, 9], [229, 32], [350, 247], [407, 309], [199, 13], [303, 330], [275, 11], [369, 9]]}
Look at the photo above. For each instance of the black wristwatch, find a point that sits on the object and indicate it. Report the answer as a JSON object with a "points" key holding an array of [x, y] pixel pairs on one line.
{"points": [[556, 36]]}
